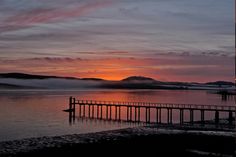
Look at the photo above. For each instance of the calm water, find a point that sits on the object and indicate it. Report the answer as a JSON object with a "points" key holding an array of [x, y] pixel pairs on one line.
{"points": [[25, 114]]}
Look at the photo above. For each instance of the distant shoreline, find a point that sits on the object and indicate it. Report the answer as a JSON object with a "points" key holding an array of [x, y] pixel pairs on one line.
{"points": [[159, 140], [17, 87], [27, 81]]}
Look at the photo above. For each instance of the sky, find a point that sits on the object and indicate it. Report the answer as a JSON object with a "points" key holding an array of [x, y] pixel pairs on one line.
{"points": [[169, 40]]}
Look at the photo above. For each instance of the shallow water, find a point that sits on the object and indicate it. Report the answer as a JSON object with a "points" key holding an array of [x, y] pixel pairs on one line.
{"points": [[25, 114]]}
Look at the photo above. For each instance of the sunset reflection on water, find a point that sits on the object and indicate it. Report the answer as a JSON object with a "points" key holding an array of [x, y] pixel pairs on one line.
{"points": [[39, 113]]}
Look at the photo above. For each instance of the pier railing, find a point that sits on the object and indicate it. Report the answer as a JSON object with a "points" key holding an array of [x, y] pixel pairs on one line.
{"points": [[133, 110], [158, 105]]}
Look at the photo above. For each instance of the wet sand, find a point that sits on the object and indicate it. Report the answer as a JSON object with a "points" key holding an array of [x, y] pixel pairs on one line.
{"points": [[136, 141]]}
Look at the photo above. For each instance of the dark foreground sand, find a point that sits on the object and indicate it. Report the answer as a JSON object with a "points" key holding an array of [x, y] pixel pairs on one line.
{"points": [[144, 141]]}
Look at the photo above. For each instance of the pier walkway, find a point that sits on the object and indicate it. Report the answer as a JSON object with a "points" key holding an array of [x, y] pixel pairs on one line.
{"points": [[111, 110]]}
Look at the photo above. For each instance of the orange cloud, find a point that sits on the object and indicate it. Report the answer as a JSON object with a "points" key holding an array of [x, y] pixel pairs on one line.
{"points": [[185, 68]]}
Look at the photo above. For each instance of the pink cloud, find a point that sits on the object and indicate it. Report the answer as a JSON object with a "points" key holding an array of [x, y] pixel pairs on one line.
{"points": [[42, 15]]}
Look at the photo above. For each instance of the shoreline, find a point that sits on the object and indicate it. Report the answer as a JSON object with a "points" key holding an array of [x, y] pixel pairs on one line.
{"points": [[169, 140]]}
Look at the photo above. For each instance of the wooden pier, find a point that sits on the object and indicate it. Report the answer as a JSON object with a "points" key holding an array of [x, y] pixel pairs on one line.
{"points": [[103, 110]]}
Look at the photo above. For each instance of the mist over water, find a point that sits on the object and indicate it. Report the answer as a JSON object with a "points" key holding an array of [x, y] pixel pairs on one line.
{"points": [[52, 83]]}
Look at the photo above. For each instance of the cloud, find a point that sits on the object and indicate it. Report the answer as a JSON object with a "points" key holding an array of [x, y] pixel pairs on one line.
{"points": [[117, 52], [164, 67], [56, 59], [196, 33], [34, 16], [152, 27]]}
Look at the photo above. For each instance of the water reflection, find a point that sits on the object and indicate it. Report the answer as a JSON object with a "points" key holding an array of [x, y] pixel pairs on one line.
{"points": [[39, 113], [151, 113]]}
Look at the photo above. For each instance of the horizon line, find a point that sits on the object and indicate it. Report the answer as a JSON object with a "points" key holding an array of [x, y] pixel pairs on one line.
{"points": [[74, 77]]}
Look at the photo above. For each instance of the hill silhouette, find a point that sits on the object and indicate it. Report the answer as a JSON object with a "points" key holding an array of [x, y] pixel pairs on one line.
{"points": [[138, 78], [30, 76], [25, 76]]}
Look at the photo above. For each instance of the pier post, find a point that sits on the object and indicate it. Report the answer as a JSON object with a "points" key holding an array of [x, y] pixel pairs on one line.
{"points": [[119, 113], [70, 118], [92, 111], [217, 117], [202, 117], [70, 103], [149, 115], [130, 114], [160, 115], [191, 116], [101, 112], [97, 111], [138, 114], [157, 115], [230, 117], [89, 111], [127, 113], [146, 115], [80, 110], [70, 109], [106, 112], [73, 115], [110, 112], [115, 112], [84, 110], [168, 116], [181, 116], [74, 108]]}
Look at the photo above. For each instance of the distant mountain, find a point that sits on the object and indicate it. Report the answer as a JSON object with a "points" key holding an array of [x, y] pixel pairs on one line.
{"points": [[138, 78], [29, 76], [221, 83], [135, 82], [24, 76]]}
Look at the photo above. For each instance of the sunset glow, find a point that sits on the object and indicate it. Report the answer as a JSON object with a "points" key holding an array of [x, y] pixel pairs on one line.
{"points": [[122, 76], [178, 41]]}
